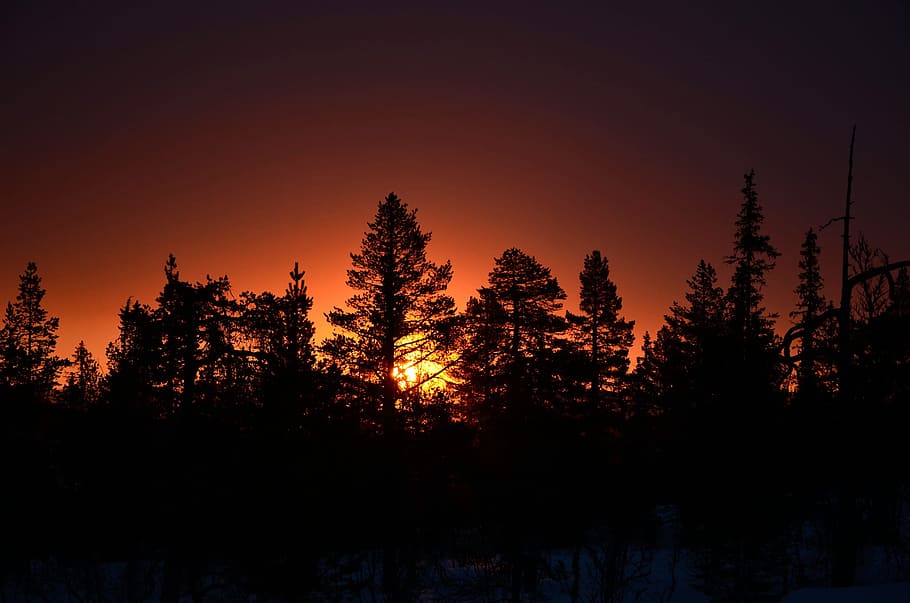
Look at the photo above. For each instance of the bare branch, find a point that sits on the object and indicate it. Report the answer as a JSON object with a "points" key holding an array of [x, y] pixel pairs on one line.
{"points": [[831, 221], [797, 331], [873, 272]]}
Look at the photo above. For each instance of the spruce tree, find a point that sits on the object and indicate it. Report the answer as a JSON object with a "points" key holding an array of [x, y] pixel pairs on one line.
{"points": [[400, 317], [602, 334], [693, 342], [810, 305], [28, 339], [752, 374], [753, 257], [645, 378]]}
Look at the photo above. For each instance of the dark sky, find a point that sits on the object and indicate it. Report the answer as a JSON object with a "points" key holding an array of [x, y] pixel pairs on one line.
{"points": [[244, 136]]}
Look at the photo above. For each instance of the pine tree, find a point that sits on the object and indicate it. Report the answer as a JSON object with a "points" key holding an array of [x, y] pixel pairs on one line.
{"points": [[645, 379], [513, 333], [83, 382], [28, 339], [400, 318], [179, 328], [530, 298], [179, 353], [810, 305], [693, 341], [195, 324], [484, 337], [704, 313], [600, 331], [753, 257], [133, 359], [752, 375], [281, 334], [295, 340]]}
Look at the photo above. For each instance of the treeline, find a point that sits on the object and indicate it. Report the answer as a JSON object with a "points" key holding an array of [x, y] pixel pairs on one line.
{"points": [[413, 421], [403, 357]]}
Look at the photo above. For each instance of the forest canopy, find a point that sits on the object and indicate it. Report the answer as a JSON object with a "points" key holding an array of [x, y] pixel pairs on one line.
{"points": [[403, 357], [515, 416]]}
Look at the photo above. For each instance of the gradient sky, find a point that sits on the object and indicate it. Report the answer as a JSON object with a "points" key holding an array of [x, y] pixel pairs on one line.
{"points": [[244, 136]]}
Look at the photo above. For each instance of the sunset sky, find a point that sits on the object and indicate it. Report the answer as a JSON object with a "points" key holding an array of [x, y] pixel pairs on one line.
{"points": [[245, 136]]}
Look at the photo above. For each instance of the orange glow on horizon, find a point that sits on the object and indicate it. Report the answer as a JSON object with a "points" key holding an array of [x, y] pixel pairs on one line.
{"points": [[251, 140]]}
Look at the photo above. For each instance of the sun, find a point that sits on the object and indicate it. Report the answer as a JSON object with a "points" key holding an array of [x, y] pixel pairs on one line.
{"points": [[406, 375], [426, 375], [420, 370]]}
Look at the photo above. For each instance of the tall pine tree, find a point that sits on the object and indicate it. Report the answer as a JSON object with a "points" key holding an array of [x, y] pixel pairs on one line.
{"points": [[751, 326], [694, 343], [753, 257], [513, 333], [810, 305], [28, 339], [400, 317], [601, 333]]}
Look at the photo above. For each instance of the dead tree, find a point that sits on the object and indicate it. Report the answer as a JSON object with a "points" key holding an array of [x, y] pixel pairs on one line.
{"points": [[842, 313], [846, 527]]}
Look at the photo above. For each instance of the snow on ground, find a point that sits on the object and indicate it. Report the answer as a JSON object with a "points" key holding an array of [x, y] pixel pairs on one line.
{"points": [[895, 592]]}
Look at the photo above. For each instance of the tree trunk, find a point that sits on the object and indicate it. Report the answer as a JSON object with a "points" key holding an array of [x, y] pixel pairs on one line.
{"points": [[843, 565]]}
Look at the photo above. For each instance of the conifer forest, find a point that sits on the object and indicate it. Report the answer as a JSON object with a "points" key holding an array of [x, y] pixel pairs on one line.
{"points": [[511, 449]]}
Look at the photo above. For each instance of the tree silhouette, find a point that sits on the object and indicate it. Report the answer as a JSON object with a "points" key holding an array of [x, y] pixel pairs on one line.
{"points": [[195, 322], [810, 305], [645, 382], [870, 298], [892, 348], [499, 492], [900, 297], [603, 335], [694, 345], [82, 387], [484, 338], [27, 341], [880, 329], [133, 359], [513, 334], [400, 316], [179, 353], [280, 333], [752, 327]]}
